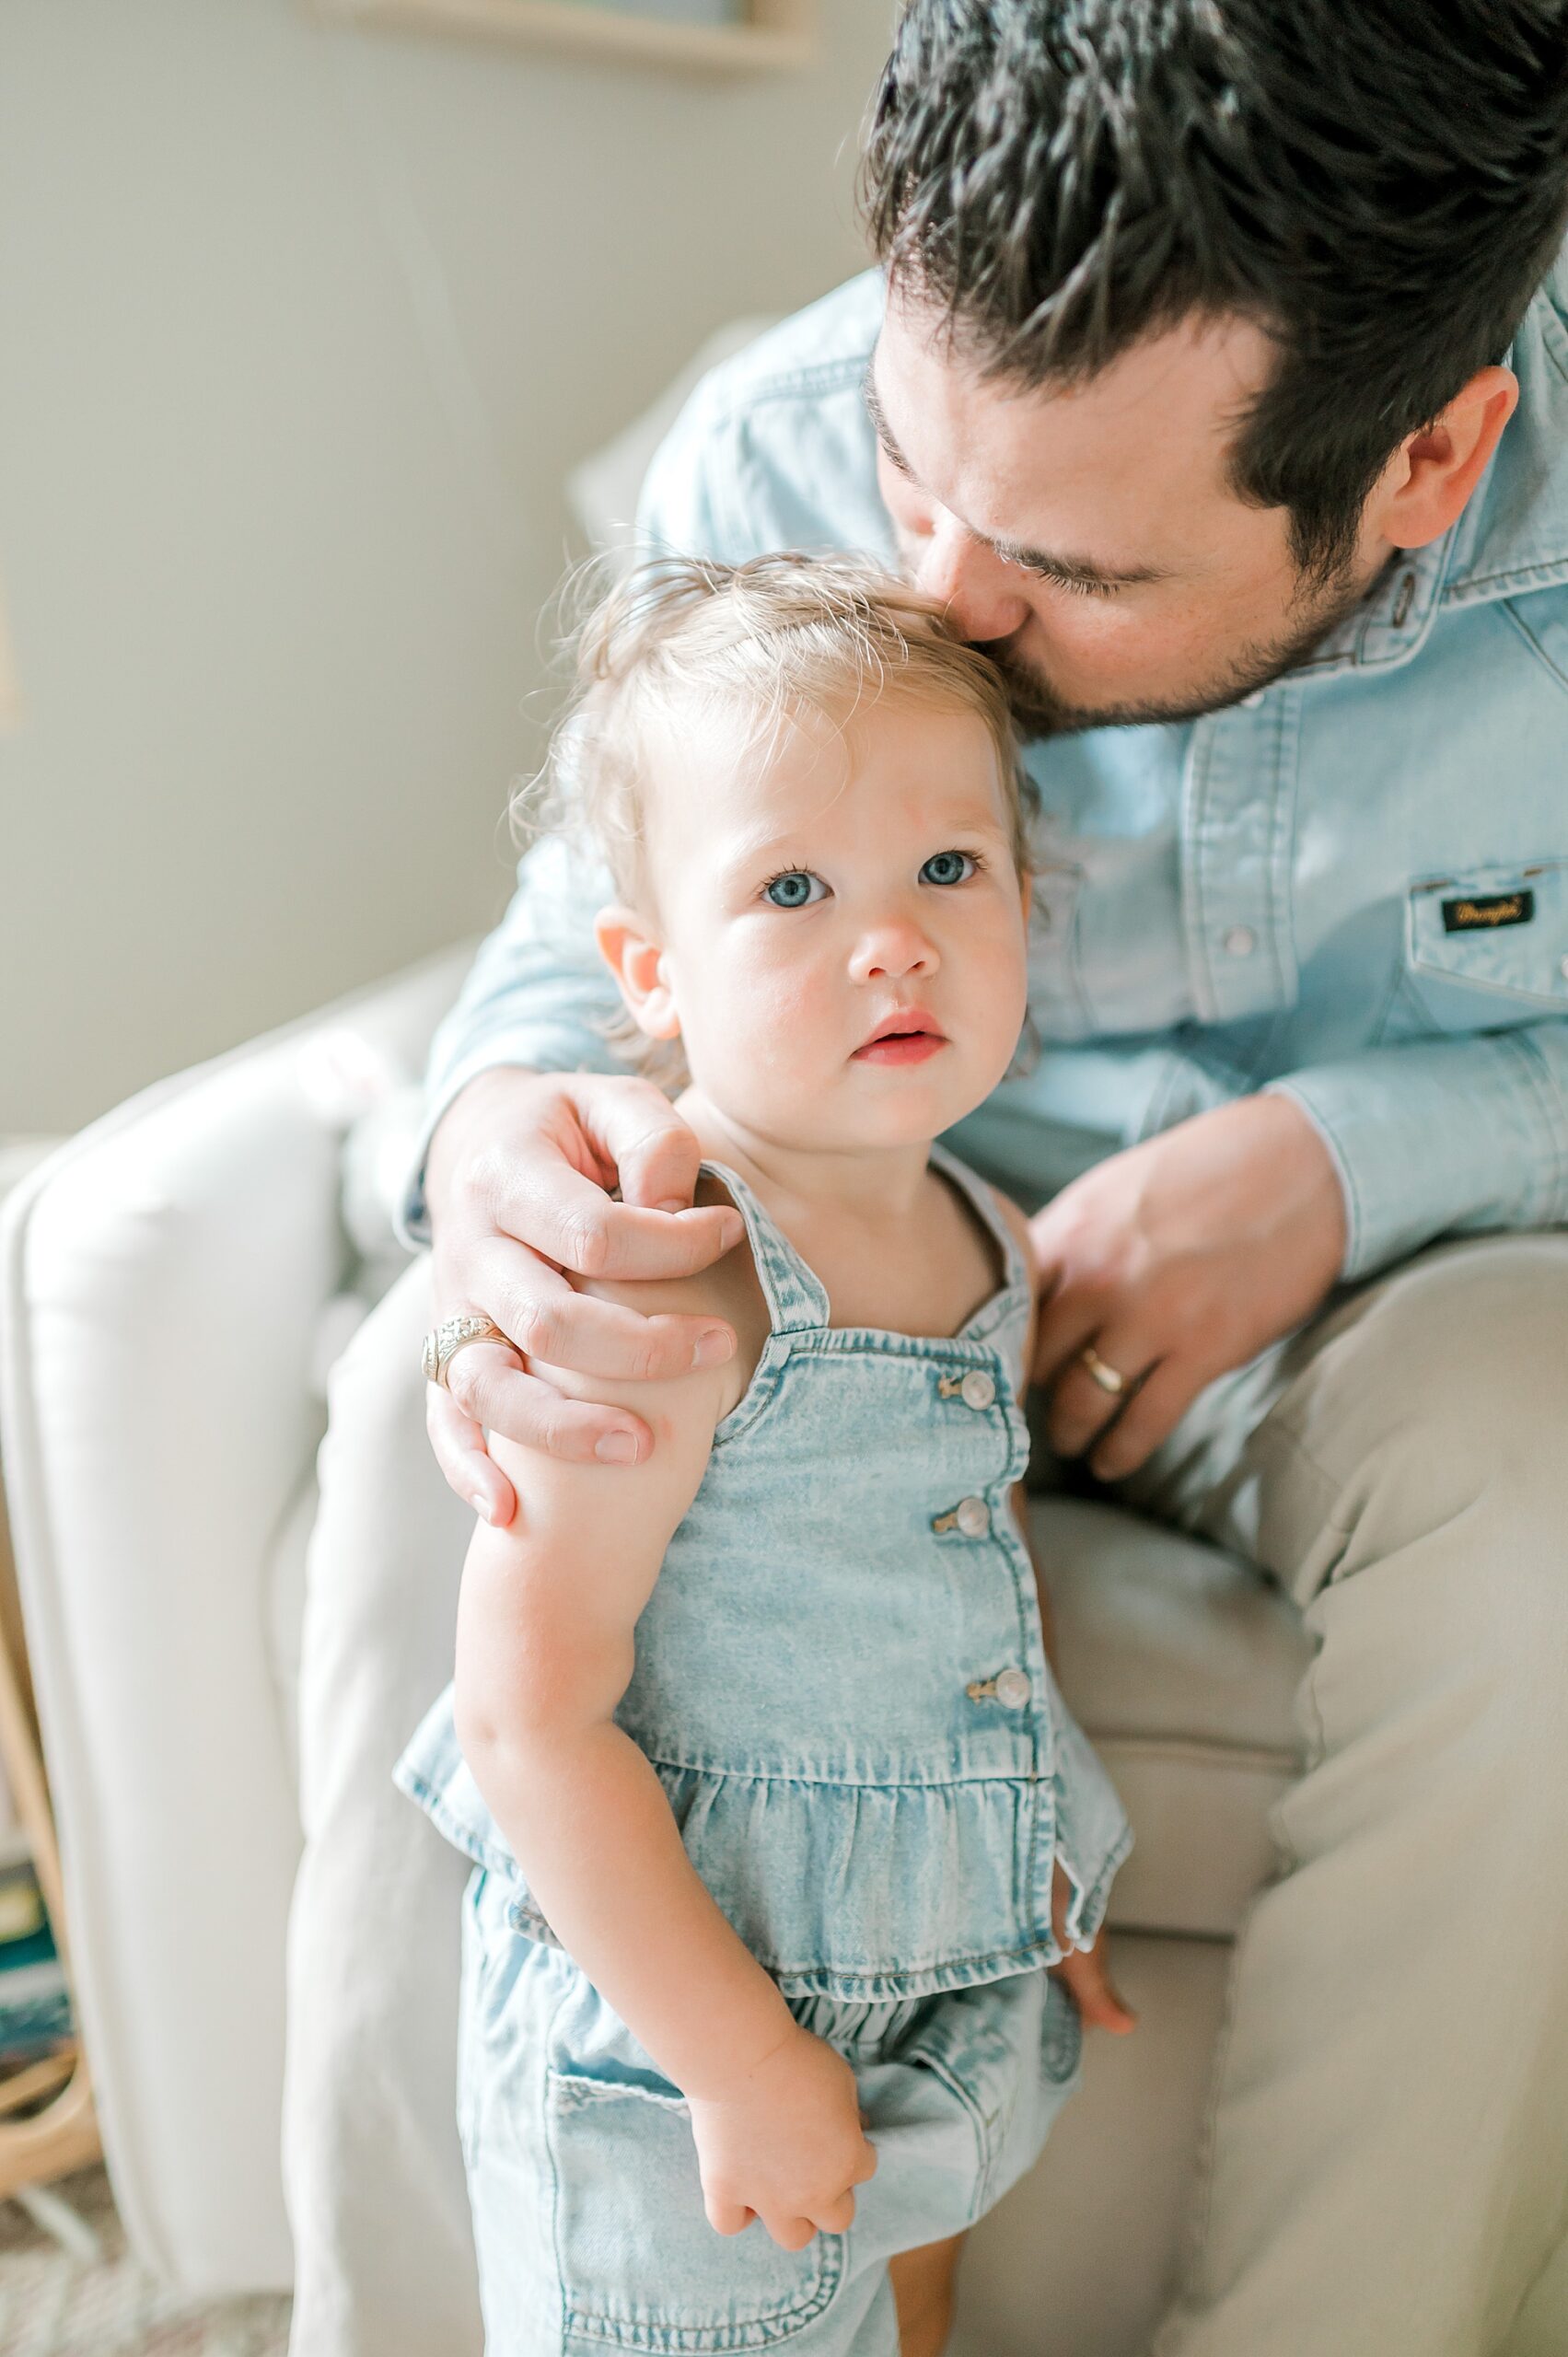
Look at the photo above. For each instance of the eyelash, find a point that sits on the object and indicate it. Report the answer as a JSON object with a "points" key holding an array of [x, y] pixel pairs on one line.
{"points": [[977, 859], [1070, 582]]}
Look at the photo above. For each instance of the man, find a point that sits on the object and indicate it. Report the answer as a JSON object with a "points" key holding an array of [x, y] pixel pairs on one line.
{"points": [[1211, 382]]}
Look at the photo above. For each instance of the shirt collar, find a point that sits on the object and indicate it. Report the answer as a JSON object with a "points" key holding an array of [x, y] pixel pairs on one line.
{"points": [[1512, 536]]}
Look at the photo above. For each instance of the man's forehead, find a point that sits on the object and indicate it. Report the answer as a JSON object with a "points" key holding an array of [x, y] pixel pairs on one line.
{"points": [[1131, 450]]}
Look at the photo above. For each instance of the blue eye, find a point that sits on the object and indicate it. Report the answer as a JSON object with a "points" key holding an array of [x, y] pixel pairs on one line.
{"points": [[948, 868], [795, 888]]}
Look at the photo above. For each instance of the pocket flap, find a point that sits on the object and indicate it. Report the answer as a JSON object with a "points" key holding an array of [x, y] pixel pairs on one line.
{"points": [[1499, 930]]}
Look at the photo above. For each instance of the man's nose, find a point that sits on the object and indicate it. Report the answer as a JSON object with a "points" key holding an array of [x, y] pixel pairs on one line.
{"points": [[890, 949], [979, 588]]}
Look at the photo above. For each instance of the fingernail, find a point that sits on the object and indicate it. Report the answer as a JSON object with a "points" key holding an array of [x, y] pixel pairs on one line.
{"points": [[714, 1347], [732, 1227], [673, 1203], [616, 1448], [481, 1505]]}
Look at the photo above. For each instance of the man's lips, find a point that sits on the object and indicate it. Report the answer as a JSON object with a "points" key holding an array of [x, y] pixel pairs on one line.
{"points": [[905, 1039]]}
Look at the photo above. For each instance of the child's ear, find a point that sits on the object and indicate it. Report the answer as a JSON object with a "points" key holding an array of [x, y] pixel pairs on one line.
{"points": [[632, 950]]}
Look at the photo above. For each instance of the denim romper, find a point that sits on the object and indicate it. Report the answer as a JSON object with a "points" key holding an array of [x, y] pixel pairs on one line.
{"points": [[841, 1681]]}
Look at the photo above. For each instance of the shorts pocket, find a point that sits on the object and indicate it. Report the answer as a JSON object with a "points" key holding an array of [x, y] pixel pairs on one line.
{"points": [[640, 2266]]}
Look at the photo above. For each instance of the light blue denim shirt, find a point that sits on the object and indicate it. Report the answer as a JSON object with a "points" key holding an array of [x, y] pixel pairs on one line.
{"points": [[841, 1675], [1351, 886]]}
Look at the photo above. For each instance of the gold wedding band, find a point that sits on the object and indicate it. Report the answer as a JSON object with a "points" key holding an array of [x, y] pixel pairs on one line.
{"points": [[443, 1342], [1105, 1376]]}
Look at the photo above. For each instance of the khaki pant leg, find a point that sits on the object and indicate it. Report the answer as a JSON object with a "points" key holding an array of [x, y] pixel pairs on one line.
{"points": [[1386, 2171], [384, 2262]]}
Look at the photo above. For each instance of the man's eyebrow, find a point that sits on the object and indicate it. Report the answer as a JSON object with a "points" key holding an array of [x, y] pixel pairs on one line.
{"points": [[1064, 568], [878, 416]]}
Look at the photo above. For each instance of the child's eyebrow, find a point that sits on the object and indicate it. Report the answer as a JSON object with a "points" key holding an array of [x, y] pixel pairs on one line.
{"points": [[1065, 568]]}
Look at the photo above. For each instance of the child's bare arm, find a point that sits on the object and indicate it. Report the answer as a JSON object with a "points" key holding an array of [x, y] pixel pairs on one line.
{"points": [[544, 1653]]}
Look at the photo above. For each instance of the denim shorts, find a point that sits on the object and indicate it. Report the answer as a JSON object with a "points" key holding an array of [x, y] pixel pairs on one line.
{"points": [[587, 2209]]}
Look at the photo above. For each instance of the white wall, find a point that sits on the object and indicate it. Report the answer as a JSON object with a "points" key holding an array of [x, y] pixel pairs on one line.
{"points": [[300, 329]]}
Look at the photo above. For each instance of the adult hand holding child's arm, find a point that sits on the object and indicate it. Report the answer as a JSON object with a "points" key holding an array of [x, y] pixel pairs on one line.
{"points": [[517, 1185]]}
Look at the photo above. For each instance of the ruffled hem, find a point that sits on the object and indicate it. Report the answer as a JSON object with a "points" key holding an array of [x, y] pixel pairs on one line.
{"points": [[855, 1891]]}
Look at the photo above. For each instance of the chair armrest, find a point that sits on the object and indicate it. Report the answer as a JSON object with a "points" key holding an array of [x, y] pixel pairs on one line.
{"points": [[163, 1274]]}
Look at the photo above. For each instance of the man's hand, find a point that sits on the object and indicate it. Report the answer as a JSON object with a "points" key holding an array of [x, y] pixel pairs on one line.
{"points": [[518, 1183], [1176, 1260]]}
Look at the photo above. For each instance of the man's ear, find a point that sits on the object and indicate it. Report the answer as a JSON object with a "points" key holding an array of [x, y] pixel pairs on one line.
{"points": [[1433, 473], [635, 955]]}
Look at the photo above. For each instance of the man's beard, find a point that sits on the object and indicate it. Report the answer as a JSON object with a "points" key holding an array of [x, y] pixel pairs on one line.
{"points": [[1039, 712]]}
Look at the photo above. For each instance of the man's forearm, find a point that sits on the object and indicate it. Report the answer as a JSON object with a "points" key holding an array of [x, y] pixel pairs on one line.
{"points": [[1433, 1137]]}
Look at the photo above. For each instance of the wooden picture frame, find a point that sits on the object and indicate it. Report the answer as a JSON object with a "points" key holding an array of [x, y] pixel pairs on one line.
{"points": [[774, 34]]}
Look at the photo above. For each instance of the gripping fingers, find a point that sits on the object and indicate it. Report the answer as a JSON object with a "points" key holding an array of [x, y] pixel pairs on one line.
{"points": [[493, 1389], [458, 1444]]}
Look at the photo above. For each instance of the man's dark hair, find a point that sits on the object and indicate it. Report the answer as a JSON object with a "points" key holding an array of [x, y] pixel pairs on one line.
{"points": [[1380, 184]]}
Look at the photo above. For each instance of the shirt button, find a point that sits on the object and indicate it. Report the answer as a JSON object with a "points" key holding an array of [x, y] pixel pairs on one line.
{"points": [[978, 1390], [973, 1517], [1239, 942], [1013, 1688], [1563, 967], [1250, 704]]}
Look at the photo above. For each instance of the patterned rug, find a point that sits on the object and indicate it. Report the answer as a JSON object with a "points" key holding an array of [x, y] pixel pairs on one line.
{"points": [[53, 2303]]}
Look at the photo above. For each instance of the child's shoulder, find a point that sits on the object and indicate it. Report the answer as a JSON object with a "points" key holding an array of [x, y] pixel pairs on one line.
{"points": [[1017, 1223]]}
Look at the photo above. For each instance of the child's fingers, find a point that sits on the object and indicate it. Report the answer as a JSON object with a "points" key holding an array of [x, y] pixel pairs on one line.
{"points": [[790, 2234], [835, 2217], [1098, 2006], [726, 2217]]}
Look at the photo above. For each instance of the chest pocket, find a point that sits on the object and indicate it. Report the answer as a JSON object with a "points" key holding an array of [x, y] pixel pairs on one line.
{"points": [[1489, 950]]}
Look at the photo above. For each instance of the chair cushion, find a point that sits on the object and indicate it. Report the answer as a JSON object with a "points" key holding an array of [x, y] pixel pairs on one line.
{"points": [[1182, 1665]]}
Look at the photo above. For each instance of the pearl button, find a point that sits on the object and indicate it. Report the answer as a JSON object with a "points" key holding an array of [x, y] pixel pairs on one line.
{"points": [[1563, 967], [973, 1518], [977, 1389], [1013, 1688], [1250, 704], [1240, 941]]}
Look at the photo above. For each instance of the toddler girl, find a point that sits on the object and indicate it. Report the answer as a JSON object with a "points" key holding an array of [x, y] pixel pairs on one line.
{"points": [[755, 1746]]}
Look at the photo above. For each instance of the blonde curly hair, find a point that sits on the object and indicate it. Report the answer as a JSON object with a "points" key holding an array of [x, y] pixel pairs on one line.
{"points": [[777, 635]]}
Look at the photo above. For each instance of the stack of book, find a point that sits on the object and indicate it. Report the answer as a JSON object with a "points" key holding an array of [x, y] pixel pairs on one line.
{"points": [[35, 2005]]}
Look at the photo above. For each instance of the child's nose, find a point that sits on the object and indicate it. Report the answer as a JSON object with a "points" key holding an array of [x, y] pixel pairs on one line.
{"points": [[892, 949]]}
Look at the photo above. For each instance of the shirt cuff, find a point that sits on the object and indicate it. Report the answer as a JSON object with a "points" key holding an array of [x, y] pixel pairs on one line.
{"points": [[1437, 1136]]}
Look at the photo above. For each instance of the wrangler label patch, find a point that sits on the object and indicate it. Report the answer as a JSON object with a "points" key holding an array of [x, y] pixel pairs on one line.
{"points": [[1485, 914]]}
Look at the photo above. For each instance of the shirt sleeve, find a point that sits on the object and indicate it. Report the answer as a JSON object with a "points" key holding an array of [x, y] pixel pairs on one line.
{"points": [[1439, 1137], [538, 994]]}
